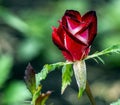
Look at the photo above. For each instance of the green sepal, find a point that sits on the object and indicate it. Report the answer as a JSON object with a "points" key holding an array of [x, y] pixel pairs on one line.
{"points": [[67, 73], [79, 68], [81, 90]]}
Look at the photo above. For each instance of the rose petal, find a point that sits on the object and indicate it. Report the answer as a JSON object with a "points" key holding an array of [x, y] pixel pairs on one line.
{"points": [[73, 14], [76, 50], [57, 39], [75, 37], [90, 20], [73, 26], [57, 35], [83, 37], [67, 55]]}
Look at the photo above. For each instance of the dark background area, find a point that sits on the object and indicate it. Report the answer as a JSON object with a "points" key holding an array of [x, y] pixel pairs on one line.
{"points": [[25, 36]]}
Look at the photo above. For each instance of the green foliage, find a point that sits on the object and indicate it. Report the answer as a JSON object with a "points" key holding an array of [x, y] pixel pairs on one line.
{"points": [[67, 73], [116, 103], [13, 21], [6, 62], [79, 70], [47, 69], [15, 94], [44, 72], [30, 79], [42, 98], [36, 94], [29, 48], [38, 98], [111, 50], [33, 81]]}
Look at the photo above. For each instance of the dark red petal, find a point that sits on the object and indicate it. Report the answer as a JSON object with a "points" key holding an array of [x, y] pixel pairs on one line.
{"points": [[61, 32], [75, 37], [73, 14], [90, 20], [73, 26], [57, 35], [56, 39], [76, 50], [67, 55], [83, 36], [87, 50]]}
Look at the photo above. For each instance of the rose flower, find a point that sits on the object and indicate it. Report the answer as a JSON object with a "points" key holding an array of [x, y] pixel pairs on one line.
{"points": [[75, 34]]}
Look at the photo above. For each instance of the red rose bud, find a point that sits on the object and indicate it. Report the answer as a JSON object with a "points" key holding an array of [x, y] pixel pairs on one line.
{"points": [[75, 34]]}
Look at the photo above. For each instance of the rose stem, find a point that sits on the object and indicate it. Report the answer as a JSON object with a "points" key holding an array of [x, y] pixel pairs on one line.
{"points": [[88, 91]]}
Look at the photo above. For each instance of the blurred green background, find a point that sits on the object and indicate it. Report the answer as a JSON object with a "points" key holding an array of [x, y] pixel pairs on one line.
{"points": [[25, 36]]}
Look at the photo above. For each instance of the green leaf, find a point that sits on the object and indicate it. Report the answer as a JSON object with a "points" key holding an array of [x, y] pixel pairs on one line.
{"points": [[79, 68], [47, 69], [67, 73], [30, 79], [43, 73], [38, 98], [97, 59], [110, 50]]}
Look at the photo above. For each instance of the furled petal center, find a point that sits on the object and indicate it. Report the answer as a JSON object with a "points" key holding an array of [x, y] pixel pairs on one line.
{"points": [[73, 25], [75, 28], [83, 37]]}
